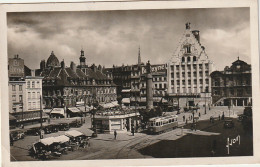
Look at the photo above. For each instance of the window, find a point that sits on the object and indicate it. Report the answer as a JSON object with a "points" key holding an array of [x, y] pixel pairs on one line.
{"points": [[207, 73], [160, 86], [34, 105], [13, 97], [20, 87], [178, 75], [195, 81], [38, 84], [200, 73], [189, 74], [188, 59], [200, 66], [183, 74], [155, 85], [29, 95], [194, 74], [33, 95], [194, 58], [38, 95], [207, 81], [164, 85], [183, 59], [201, 81], [28, 84], [29, 105], [183, 82], [172, 75], [178, 82], [20, 98], [177, 67], [14, 108], [189, 82], [13, 87]]}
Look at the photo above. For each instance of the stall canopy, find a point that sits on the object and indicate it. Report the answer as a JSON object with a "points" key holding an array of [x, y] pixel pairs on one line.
{"points": [[62, 139], [47, 141], [74, 109], [73, 133], [58, 111], [82, 108], [47, 110], [126, 90], [126, 100], [110, 105]]}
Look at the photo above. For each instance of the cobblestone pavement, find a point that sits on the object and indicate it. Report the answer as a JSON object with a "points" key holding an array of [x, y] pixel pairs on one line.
{"points": [[125, 146]]}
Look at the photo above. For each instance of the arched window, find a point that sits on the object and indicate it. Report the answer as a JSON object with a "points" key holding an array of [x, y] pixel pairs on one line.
{"points": [[194, 58], [188, 59], [183, 59]]}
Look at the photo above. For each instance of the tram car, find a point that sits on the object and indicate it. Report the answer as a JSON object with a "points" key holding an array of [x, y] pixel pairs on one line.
{"points": [[162, 124]]}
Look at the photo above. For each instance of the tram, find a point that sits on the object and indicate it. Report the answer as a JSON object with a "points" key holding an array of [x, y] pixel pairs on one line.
{"points": [[162, 124]]}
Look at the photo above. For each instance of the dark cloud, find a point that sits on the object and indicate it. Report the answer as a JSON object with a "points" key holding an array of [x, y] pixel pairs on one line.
{"points": [[113, 37]]}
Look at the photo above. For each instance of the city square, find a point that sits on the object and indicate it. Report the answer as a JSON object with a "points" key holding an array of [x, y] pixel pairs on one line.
{"points": [[95, 102]]}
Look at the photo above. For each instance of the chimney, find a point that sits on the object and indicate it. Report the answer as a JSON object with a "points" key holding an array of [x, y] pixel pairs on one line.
{"points": [[62, 63], [42, 65], [73, 66], [196, 34], [33, 73]]}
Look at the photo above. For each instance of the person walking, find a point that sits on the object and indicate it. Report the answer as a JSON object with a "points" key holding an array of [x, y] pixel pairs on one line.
{"points": [[183, 118], [199, 114], [133, 131], [115, 134]]}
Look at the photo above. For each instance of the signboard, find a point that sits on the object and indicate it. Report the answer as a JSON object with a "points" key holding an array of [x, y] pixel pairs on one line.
{"points": [[155, 68], [16, 67]]}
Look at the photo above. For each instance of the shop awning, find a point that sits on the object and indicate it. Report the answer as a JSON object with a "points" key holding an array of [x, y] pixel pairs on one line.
{"points": [[47, 110], [62, 139], [74, 109], [126, 100], [11, 117], [47, 141], [58, 111], [126, 90], [73, 133]]}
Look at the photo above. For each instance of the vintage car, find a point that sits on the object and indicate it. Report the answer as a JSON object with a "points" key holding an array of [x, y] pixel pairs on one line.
{"points": [[34, 131], [17, 135], [64, 126], [75, 124], [228, 124]]}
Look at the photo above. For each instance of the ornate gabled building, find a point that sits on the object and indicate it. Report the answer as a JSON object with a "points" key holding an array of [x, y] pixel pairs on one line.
{"points": [[233, 86], [189, 69], [66, 86]]}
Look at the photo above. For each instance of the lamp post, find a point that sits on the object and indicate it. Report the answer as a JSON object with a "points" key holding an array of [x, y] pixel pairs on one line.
{"points": [[41, 110]]}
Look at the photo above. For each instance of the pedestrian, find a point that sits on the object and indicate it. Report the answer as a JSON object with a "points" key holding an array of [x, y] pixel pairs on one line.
{"points": [[199, 114], [133, 131], [115, 134], [223, 116], [183, 118], [191, 117], [195, 126]]}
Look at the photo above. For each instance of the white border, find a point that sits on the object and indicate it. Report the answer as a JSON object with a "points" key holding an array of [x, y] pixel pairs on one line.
{"points": [[137, 5]]}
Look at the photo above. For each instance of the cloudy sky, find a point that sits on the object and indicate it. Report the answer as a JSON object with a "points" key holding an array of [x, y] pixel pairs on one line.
{"points": [[113, 37]]}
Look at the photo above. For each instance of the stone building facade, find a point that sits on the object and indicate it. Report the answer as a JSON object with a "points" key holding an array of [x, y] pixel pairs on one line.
{"points": [[65, 86], [188, 72], [233, 85]]}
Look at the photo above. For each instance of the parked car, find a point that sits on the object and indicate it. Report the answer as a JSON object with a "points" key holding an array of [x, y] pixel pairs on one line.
{"points": [[54, 127], [228, 124], [34, 131], [64, 126], [47, 129], [75, 124], [17, 135]]}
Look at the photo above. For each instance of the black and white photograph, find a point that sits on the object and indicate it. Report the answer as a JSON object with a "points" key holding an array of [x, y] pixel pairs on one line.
{"points": [[130, 84]]}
